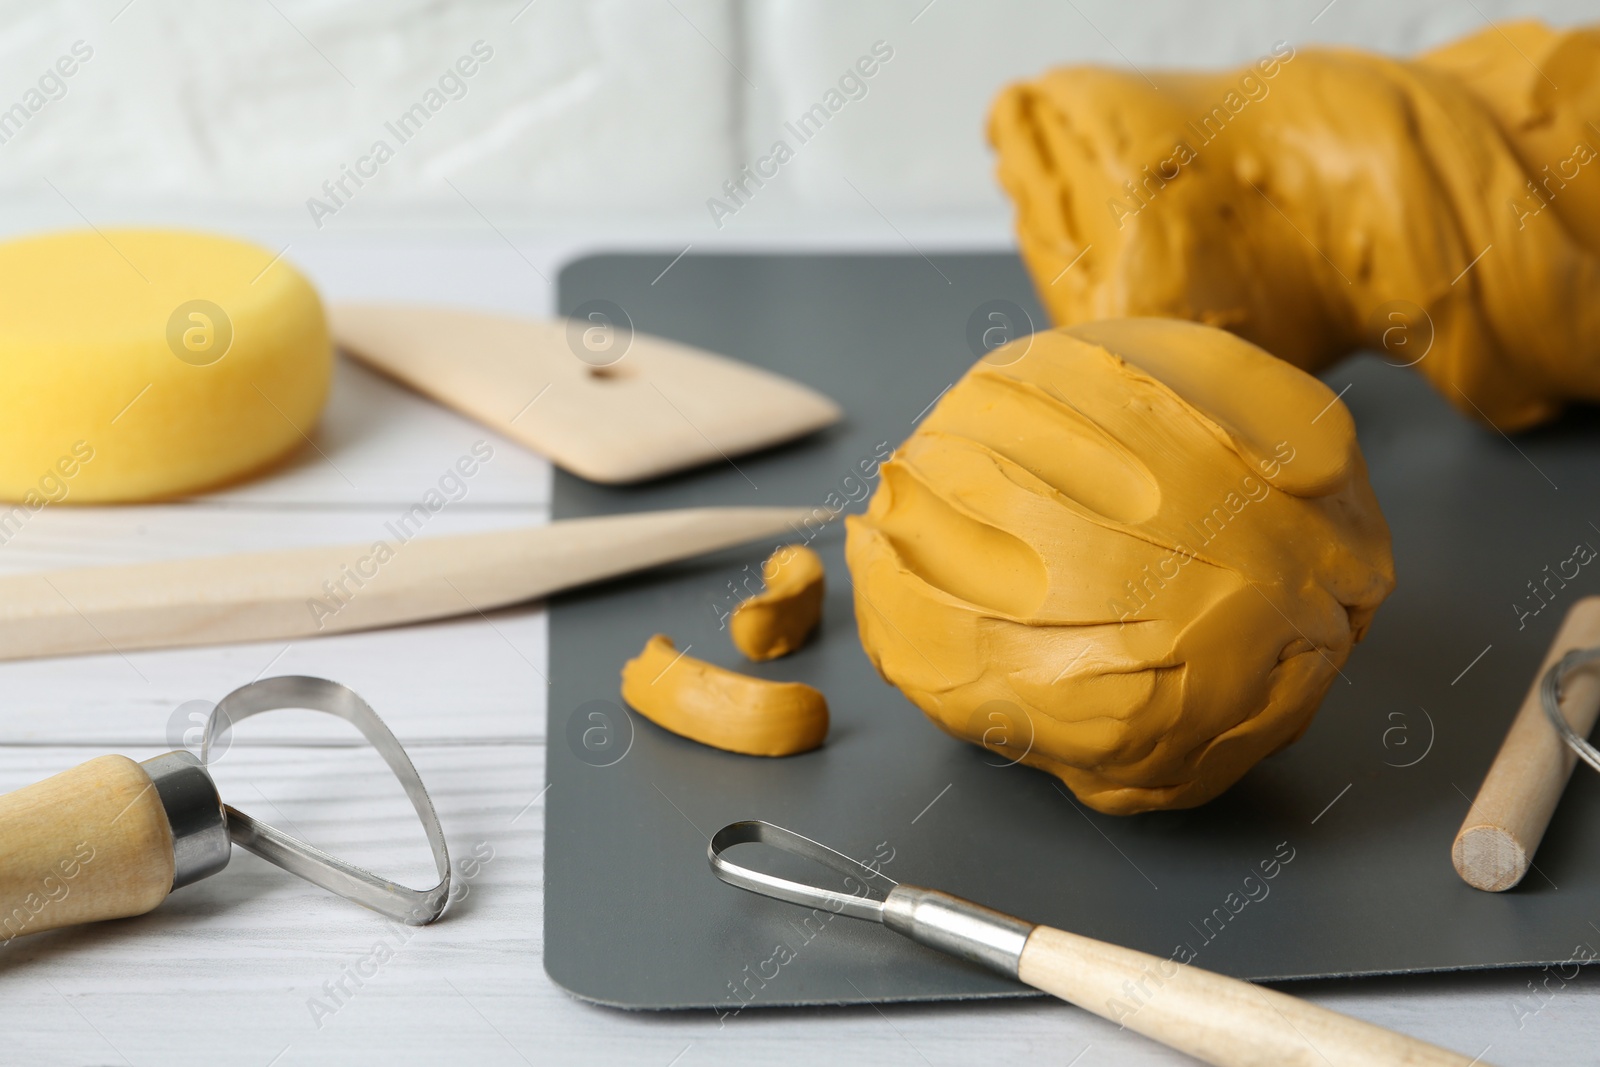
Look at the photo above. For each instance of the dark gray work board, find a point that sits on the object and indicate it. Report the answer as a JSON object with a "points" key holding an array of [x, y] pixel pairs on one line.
{"points": [[634, 917]]}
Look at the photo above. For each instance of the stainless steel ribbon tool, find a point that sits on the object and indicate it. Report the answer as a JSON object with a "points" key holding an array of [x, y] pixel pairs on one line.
{"points": [[112, 838]]}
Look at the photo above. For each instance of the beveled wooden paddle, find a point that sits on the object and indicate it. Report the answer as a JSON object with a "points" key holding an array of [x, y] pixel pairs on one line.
{"points": [[302, 592], [596, 398]]}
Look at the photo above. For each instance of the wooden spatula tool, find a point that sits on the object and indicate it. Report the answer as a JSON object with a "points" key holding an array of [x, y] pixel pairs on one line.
{"points": [[112, 838], [592, 395], [303, 592]]}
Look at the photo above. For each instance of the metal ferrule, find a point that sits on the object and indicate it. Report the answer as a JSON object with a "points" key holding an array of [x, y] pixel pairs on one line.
{"points": [[958, 927], [200, 844]]}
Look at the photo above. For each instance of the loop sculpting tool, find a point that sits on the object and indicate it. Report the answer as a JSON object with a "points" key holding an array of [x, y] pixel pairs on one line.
{"points": [[111, 838], [1216, 1019]]}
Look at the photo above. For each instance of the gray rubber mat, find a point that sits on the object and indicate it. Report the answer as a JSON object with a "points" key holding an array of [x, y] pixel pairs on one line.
{"points": [[1354, 821]]}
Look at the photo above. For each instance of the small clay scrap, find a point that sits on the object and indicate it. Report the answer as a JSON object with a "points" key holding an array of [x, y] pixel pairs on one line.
{"points": [[722, 708], [777, 621]]}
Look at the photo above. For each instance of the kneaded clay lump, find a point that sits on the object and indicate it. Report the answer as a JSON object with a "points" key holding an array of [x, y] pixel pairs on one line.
{"points": [[1443, 210], [1131, 553]]}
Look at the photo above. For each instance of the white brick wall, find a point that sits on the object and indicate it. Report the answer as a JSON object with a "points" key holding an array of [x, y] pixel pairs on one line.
{"points": [[587, 108], [582, 105]]}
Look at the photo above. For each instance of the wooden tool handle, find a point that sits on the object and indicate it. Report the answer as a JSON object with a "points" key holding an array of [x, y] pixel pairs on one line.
{"points": [[1507, 820], [1216, 1019], [89, 843]]}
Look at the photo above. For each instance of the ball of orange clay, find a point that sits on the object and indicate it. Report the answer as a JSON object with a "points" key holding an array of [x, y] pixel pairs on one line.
{"points": [[1132, 553]]}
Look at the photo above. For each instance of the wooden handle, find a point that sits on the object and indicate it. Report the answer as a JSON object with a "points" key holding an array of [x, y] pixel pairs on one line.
{"points": [[395, 578], [1216, 1019], [1507, 820], [89, 843]]}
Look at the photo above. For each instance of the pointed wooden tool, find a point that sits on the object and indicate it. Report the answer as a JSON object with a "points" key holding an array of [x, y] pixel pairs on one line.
{"points": [[302, 592], [593, 396]]}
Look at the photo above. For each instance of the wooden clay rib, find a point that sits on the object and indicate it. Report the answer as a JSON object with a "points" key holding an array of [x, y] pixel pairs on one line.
{"points": [[662, 407]]}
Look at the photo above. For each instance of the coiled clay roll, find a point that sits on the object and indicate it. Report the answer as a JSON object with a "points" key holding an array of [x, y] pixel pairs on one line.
{"points": [[1132, 553], [1445, 210], [142, 364]]}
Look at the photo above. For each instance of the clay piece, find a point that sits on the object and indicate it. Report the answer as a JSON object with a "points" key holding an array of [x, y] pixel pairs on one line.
{"points": [[778, 620], [722, 708], [1443, 211], [1133, 554]]}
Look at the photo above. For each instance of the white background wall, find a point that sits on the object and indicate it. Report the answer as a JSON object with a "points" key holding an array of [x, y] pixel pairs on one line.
{"points": [[591, 113]]}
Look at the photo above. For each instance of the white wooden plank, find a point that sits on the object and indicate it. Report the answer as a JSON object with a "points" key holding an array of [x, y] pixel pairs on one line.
{"points": [[497, 271], [475, 678], [378, 442], [56, 537], [224, 970], [232, 970]]}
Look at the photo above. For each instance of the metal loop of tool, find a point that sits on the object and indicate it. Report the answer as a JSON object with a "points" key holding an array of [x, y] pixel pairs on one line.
{"points": [[414, 907], [754, 831], [927, 916], [1550, 697]]}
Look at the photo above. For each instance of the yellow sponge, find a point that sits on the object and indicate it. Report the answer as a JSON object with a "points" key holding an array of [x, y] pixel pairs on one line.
{"points": [[141, 364]]}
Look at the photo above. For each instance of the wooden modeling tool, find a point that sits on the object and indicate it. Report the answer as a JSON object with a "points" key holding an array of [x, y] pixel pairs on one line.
{"points": [[1507, 820], [112, 838], [591, 395], [1212, 1018], [303, 592]]}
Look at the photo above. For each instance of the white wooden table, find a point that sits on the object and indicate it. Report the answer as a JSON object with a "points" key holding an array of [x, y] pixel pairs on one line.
{"points": [[254, 967]]}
